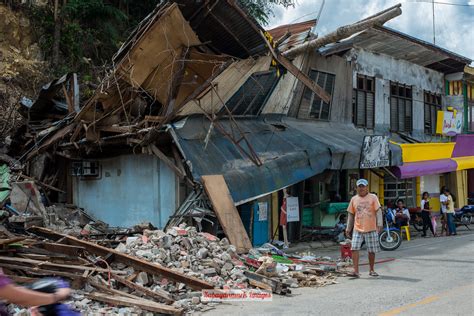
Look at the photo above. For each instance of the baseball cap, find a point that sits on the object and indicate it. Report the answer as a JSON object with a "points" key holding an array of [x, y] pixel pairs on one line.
{"points": [[362, 182]]}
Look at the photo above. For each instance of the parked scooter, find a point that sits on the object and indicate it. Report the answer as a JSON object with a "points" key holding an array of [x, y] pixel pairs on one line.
{"points": [[390, 238], [464, 216]]}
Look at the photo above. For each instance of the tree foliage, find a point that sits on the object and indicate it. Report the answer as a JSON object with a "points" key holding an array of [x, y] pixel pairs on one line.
{"points": [[91, 31], [262, 10]]}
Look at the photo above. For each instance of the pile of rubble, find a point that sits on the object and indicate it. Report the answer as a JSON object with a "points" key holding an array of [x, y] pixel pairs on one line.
{"points": [[154, 271]]}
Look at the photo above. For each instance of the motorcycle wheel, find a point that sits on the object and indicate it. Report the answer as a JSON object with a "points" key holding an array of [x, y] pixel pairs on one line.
{"points": [[466, 219], [389, 246]]}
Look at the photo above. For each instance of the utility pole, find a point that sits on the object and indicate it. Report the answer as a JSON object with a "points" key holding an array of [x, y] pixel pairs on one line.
{"points": [[434, 30]]}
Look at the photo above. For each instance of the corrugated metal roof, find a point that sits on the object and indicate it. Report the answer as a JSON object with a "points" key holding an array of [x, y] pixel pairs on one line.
{"points": [[344, 141], [299, 33], [288, 155], [384, 40], [225, 25]]}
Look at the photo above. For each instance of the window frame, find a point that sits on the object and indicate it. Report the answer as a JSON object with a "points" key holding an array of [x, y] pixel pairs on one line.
{"points": [[366, 91], [400, 97], [253, 77], [312, 98], [431, 100]]}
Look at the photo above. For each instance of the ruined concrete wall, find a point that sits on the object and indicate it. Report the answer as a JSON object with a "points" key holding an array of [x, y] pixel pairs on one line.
{"points": [[385, 69], [130, 189]]}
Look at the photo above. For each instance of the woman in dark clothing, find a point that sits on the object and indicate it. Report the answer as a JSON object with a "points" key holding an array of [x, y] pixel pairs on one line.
{"points": [[425, 214]]}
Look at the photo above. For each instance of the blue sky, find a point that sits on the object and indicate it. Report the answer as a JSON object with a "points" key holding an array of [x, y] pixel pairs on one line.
{"points": [[454, 24]]}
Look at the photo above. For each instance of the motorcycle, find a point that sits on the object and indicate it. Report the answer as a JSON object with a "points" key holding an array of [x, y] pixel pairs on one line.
{"points": [[390, 238], [464, 216], [50, 285]]}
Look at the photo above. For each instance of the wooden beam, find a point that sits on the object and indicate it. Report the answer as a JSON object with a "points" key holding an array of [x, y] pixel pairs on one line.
{"points": [[57, 265], [229, 218], [61, 248], [141, 303], [42, 184], [166, 160], [326, 97], [136, 263], [345, 31], [157, 294]]}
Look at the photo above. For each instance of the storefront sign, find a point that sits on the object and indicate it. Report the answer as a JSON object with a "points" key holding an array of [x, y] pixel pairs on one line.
{"points": [[292, 209], [449, 123], [375, 152], [262, 211]]}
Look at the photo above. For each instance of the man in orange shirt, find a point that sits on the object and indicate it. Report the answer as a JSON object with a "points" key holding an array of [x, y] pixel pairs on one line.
{"points": [[364, 223]]}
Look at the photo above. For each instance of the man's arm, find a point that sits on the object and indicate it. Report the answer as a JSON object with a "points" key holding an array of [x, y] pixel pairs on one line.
{"points": [[350, 224], [379, 219]]}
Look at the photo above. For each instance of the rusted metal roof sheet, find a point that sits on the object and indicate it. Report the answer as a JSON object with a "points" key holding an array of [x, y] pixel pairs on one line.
{"points": [[299, 33], [288, 155], [224, 26]]}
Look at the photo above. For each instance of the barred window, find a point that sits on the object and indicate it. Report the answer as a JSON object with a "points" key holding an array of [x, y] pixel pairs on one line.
{"points": [[401, 108], [432, 106], [364, 102]]}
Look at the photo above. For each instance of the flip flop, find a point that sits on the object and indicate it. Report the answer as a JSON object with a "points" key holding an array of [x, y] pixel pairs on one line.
{"points": [[373, 273], [353, 275]]}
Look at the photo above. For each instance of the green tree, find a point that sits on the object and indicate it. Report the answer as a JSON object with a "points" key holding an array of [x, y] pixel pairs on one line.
{"points": [[262, 10]]}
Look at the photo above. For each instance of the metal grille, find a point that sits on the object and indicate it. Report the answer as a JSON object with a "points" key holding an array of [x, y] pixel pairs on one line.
{"points": [[431, 106], [401, 108], [364, 107]]}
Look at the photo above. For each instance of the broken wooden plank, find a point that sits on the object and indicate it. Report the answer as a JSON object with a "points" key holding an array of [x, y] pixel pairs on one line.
{"points": [[61, 248], [229, 218], [95, 283], [11, 240], [136, 263], [42, 184], [154, 118], [307, 81], [57, 265], [260, 285], [277, 286], [166, 160], [157, 294], [142, 303]]}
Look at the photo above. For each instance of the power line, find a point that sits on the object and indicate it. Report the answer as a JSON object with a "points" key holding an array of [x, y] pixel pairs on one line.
{"points": [[446, 3]]}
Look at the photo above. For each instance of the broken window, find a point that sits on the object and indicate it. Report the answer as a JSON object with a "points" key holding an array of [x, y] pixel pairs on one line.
{"points": [[312, 103], [401, 108], [253, 94], [364, 102], [432, 106]]}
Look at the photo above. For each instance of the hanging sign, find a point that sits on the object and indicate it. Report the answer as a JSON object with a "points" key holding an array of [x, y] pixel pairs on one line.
{"points": [[375, 152], [449, 123], [292, 209]]}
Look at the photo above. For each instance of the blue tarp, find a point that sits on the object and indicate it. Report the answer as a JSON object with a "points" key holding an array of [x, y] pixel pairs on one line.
{"points": [[288, 155]]}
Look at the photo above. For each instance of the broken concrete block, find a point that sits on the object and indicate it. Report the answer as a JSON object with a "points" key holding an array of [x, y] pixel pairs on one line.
{"points": [[121, 248], [225, 257], [142, 278], [196, 300], [202, 253], [131, 240]]}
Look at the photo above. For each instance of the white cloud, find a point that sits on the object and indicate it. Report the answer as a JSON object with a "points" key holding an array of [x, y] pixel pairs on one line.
{"points": [[454, 25]]}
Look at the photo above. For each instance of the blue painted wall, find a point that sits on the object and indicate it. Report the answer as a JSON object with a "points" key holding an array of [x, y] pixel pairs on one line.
{"points": [[131, 189]]}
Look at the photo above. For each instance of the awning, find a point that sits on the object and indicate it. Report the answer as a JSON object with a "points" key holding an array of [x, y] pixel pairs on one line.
{"points": [[423, 168], [344, 141], [435, 158], [288, 155]]}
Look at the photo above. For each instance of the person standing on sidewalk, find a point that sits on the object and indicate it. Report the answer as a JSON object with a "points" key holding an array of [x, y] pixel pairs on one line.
{"points": [[447, 200], [425, 214], [364, 223]]}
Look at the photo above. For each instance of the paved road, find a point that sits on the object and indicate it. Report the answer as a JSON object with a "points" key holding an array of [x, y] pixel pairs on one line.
{"points": [[430, 276]]}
